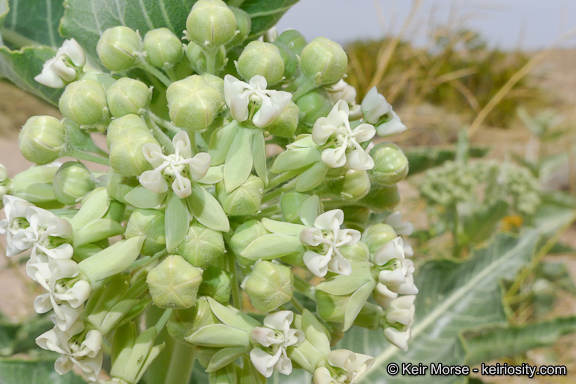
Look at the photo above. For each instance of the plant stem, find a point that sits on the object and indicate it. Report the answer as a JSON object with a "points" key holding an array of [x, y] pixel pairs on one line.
{"points": [[303, 287], [163, 123], [142, 63], [281, 179], [181, 364], [299, 307], [456, 221], [231, 266], [73, 152], [162, 138]]}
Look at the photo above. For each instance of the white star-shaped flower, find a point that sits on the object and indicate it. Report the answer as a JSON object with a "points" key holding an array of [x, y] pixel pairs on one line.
{"points": [[275, 336], [345, 367], [401, 228], [330, 237], [253, 101], [345, 148], [179, 167], [62, 69], [400, 317], [399, 279], [87, 355]]}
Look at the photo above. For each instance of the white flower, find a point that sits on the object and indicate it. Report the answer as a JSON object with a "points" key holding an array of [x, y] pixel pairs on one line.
{"points": [[62, 69], [401, 228], [328, 234], [180, 167], [347, 141], [400, 317], [374, 106], [344, 91], [87, 356], [27, 226], [398, 338], [400, 278], [392, 126], [276, 336], [253, 101], [346, 367]]}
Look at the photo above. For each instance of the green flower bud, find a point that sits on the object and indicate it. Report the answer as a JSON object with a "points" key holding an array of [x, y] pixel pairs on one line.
{"points": [[215, 81], [84, 101], [332, 307], [193, 103], [382, 198], [292, 39], [216, 284], [42, 139], [378, 235], [290, 204], [126, 136], [197, 57], [35, 186], [243, 236], [323, 61], [369, 316], [185, 322], [356, 252], [259, 58], [201, 245], [269, 285], [390, 164], [243, 26], [290, 61], [149, 223], [118, 48], [118, 186], [286, 123], [72, 182], [128, 96], [356, 217], [244, 200], [163, 48], [174, 283], [353, 185], [211, 22], [314, 105]]}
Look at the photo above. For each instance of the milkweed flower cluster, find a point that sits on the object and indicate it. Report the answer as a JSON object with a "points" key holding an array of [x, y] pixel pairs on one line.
{"points": [[253, 260]]}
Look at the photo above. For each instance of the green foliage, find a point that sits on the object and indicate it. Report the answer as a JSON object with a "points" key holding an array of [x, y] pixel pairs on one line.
{"points": [[17, 371]]}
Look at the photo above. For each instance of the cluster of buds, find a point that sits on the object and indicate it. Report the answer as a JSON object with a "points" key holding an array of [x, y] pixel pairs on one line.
{"points": [[252, 260]]}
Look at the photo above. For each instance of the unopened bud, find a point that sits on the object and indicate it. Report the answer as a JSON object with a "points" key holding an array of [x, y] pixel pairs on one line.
{"points": [[378, 235], [72, 182], [118, 48], [390, 164], [353, 185], [149, 223], [332, 307], [292, 39], [244, 200], [243, 236], [314, 105], [243, 26], [382, 198], [262, 59], [323, 61], [128, 96], [163, 48], [42, 139], [201, 245], [84, 101], [269, 285], [216, 284], [197, 57], [119, 185], [174, 283], [211, 22], [290, 204], [185, 322], [286, 123]]}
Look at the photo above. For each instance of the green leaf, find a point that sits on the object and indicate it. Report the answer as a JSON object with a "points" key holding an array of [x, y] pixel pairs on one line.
{"points": [[207, 210], [454, 296], [272, 246], [481, 224], [511, 341], [282, 228], [33, 22], [219, 335], [144, 198], [224, 357], [96, 231], [239, 160], [423, 158], [356, 302], [176, 221], [265, 13], [85, 20], [298, 376], [311, 208], [259, 149], [312, 177], [18, 371], [220, 143]]}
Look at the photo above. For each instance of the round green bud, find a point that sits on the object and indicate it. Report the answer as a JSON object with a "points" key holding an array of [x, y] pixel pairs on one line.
{"points": [[243, 236], [163, 48], [72, 182], [201, 245], [119, 185], [269, 285], [382, 198], [356, 252], [193, 103], [286, 123], [243, 26], [290, 61], [323, 61], [356, 216], [118, 48], [84, 101], [149, 223], [353, 185], [216, 284], [294, 40], [378, 235], [331, 307], [244, 200], [314, 105], [35, 185], [390, 164], [126, 136], [290, 204], [264, 59], [211, 22], [128, 96], [174, 283], [42, 139], [215, 81], [185, 322]]}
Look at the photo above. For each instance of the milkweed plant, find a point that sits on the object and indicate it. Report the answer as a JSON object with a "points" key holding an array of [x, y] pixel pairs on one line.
{"points": [[246, 209]]}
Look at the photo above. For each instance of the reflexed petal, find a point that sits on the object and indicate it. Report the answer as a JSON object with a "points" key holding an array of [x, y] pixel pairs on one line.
{"points": [[317, 264], [388, 251], [258, 82], [42, 303], [263, 362], [199, 165], [391, 278], [348, 237], [153, 153], [374, 106], [48, 77], [279, 320], [74, 51], [311, 236], [392, 127], [359, 160], [334, 157], [182, 187], [398, 338], [363, 132], [239, 109], [233, 88], [265, 116], [63, 71], [91, 366], [182, 145], [154, 181], [402, 310], [322, 130], [65, 317], [384, 291], [284, 365], [328, 220], [263, 336], [340, 265], [322, 376]]}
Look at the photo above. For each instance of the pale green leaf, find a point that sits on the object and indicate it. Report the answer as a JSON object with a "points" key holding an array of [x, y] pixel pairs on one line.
{"points": [[239, 160], [224, 357], [265, 13], [259, 149], [312, 177], [220, 143], [207, 210], [219, 335], [356, 302], [272, 246], [310, 210], [144, 198], [19, 371], [97, 230], [282, 228], [176, 221]]}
